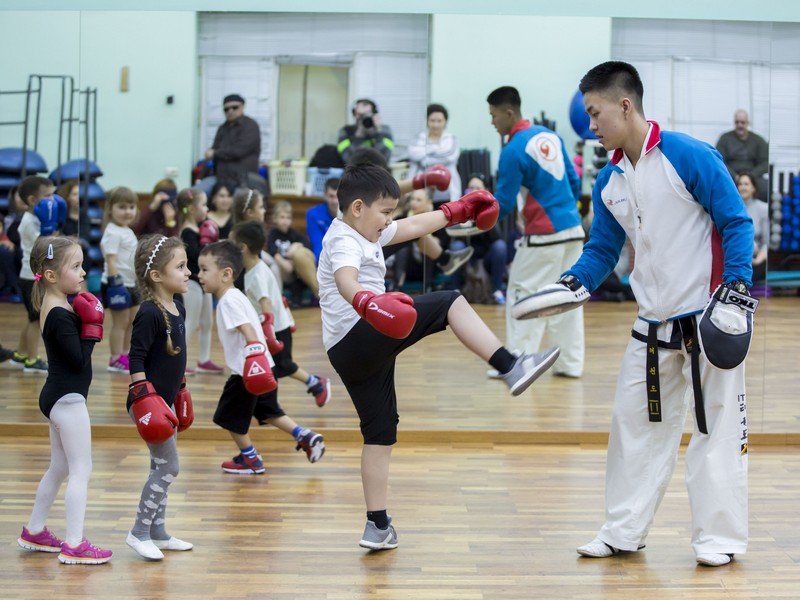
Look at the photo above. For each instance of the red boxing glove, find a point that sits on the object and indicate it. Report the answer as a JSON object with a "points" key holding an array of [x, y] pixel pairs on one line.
{"points": [[267, 326], [479, 206], [184, 408], [292, 327], [437, 176], [209, 232], [154, 419], [257, 375], [392, 313], [90, 311]]}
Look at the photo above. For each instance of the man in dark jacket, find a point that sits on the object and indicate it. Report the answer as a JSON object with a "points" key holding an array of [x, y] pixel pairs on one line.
{"points": [[236, 146]]}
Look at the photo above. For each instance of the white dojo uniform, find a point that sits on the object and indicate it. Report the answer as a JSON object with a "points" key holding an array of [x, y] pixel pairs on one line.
{"points": [[665, 206]]}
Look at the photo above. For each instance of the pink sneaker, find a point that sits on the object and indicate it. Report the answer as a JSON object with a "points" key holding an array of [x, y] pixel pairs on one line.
{"points": [[120, 365], [44, 541], [209, 367], [83, 554]]}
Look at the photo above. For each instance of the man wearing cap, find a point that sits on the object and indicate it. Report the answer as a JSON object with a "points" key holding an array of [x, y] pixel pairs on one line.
{"points": [[368, 131], [236, 146]]}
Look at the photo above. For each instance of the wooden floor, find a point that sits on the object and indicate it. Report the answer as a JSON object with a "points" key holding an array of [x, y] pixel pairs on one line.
{"points": [[483, 511], [442, 387], [474, 520]]}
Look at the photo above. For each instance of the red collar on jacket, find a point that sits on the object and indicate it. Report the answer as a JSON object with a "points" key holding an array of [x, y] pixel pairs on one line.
{"points": [[519, 126], [653, 139]]}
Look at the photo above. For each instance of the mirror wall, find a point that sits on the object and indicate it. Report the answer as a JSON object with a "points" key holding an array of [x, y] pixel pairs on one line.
{"points": [[152, 111]]}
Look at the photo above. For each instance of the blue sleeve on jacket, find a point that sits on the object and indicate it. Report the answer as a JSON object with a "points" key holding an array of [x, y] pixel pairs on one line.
{"points": [[606, 239], [315, 229], [702, 170], [509, 180]]}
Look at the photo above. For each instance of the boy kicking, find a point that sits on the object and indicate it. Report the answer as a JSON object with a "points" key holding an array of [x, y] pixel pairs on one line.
{"points": [[365, 328]]}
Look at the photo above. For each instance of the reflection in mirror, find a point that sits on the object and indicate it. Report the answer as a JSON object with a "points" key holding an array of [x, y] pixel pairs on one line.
{"points": [[148, 115], [781, 376], [40, 108]]}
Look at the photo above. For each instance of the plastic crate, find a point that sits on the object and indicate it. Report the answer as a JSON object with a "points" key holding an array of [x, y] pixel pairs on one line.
{"points": [[400, 170], [288, 177], [317, 176]]}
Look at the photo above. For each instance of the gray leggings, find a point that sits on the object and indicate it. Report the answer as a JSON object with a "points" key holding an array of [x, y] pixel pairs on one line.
{"points": [[150, 514]]}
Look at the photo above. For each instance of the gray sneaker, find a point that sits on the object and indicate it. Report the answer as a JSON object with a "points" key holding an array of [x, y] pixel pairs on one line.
{"points": [[378, 539], [457, 258], [527, 369]]}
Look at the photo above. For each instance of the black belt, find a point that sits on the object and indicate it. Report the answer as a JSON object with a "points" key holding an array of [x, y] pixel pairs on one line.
{"points": [[688, 332]]}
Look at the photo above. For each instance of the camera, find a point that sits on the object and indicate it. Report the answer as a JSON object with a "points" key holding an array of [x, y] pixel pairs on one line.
{"points": [[367, 121]]}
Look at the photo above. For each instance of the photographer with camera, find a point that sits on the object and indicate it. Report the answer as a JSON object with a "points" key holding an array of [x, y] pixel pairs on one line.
{"points": [[368, 131], [160, 214]]}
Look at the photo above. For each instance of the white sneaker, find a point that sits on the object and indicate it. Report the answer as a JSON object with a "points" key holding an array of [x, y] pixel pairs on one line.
{"points": [[597, 548], [714, 560], [173, 543], [144, 548]]}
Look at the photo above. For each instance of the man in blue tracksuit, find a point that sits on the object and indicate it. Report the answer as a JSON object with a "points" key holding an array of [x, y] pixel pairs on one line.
{"points": [[673, 197], [535, 163]]}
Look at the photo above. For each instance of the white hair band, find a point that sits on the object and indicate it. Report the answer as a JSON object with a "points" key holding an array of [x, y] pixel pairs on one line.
{"points": [[153, 254]]}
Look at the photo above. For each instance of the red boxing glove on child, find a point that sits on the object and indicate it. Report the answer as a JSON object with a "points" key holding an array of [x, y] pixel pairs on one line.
{"points": [[209, 232], [479, 206], [184, 408], [392, 313], [90, 311], [437, 176], [257, 375], [155, 421], [268, 327]]}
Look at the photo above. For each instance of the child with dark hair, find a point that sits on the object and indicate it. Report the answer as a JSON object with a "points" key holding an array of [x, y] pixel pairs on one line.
{"points": [[32, 190], [264, 292], [252, 383], [365, 328]]}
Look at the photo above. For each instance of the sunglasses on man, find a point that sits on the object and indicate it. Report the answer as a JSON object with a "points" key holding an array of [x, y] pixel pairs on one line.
{"points": [[231, 107]]}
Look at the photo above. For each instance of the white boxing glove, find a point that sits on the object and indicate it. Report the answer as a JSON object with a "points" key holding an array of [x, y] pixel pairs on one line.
{"points": [[566, 294]]}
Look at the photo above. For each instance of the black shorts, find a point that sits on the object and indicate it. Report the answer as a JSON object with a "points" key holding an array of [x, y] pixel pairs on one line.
{"points": [[365, 358], [136, 295], [237, 406], [26, 287], [284, 365]]}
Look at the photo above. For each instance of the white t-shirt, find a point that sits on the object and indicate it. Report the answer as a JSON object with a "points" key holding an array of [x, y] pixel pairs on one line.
{"points": [[29, 229], [343, 246], [260, 282], [121, 242], [234, 309]]}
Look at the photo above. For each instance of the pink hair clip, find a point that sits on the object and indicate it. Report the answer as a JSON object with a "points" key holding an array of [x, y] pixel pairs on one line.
{"points": [[37, 276]]}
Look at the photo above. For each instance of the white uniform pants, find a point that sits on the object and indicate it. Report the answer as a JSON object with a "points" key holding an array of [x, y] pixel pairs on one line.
{"points": [[199, 315], [642, 455], [533, 268]]}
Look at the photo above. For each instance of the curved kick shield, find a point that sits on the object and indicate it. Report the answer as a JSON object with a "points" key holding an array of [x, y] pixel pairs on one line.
{"points": [[726, 327]]}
